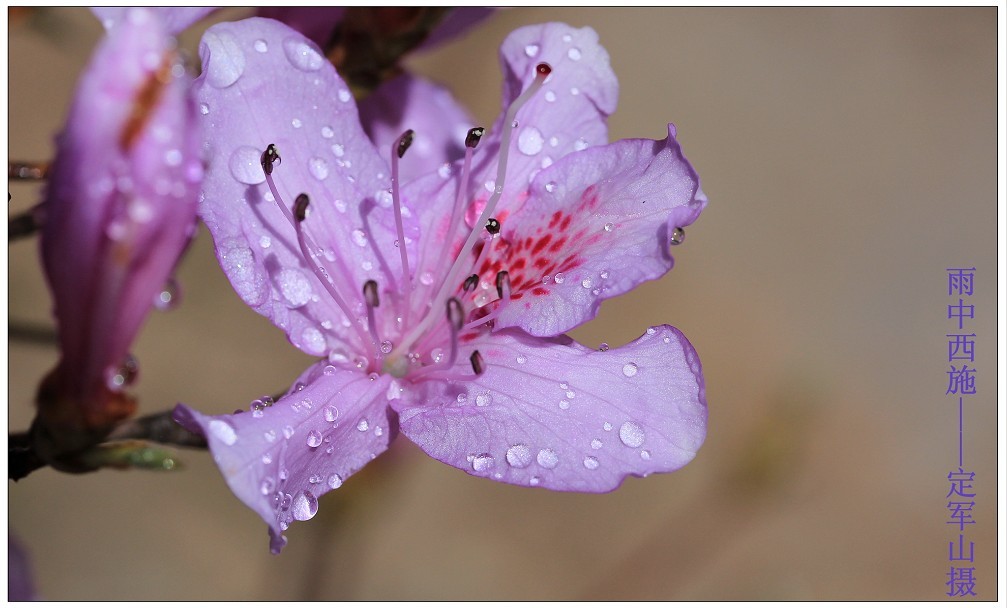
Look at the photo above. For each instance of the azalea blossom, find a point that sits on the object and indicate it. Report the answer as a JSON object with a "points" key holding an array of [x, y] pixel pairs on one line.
{"points": [[119, 209], [437, 306]]}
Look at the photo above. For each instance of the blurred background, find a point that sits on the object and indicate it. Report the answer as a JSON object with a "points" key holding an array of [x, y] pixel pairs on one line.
{"points": [[849, 156]]}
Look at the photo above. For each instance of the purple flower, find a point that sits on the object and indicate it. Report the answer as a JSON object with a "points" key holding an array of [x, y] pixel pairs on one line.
{"points": [[119, 209], [438, 306]]}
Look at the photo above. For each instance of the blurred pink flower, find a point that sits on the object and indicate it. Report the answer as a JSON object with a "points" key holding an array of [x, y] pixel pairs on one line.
{"points": [[119, 209]]}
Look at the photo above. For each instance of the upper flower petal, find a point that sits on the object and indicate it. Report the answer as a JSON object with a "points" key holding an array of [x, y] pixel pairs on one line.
{"points": [[175, 18], [409, 102], [596, 224], [567, 115], [120, 205], [280, 459], [554, 414], [265, 83]]}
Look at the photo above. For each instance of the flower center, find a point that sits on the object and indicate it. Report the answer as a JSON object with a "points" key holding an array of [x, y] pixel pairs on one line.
{"points": [[430, 346]]}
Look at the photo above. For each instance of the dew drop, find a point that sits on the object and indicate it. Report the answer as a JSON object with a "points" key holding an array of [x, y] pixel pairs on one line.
{"points": [[534, 481], [549, 187], [530, 141], [521, 359], [335, 481], [609, 227], [531, 50], [559, 278], [288, 432], [314, 479], [550, 96], [327, 132], [305, 506], [245, 167], [169, 297], [318, 168], [604, 274], [344, 95], [564, 404], [603, 346], [573, 53], [519, 456], [482, 462], [629, 370], [314, 439], [547, 458], [267, 486], [574, 91], [363, 425], [204, 109], [226, 61], [313, 341], [294, 287], [269, 435], [586, 284], [596, 444], [338, 150], [590, 463], [265, 242], [302, 55], [359, 238], [645, 454], [580, 144], [261, 46], [631, 434], [607, 426], [461, 398], [651, 331], [223, 431], [426, 279], [677, 236], [484, 399]]}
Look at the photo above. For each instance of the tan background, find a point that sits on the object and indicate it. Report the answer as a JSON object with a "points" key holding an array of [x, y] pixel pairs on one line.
{"points": [[849, 156]]}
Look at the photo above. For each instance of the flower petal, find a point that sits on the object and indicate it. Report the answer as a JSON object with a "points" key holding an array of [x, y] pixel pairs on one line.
{"points": [[554, 414], [409, 102], [280, 459], [596, 225], [568, 114], [175, 18], [121, 201], [265, 83]]}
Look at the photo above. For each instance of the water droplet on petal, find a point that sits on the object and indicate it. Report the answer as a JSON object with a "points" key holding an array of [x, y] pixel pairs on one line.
{"points": [[534, 481], [314, 439], [573, 53], [288, 432], [590, 463], [550, 96], [559, 278], [302, 55], [318, 168], [629, 370], [580, 144], [521, 359], [223, 431], [204, 109], [482, 462], [645, 454], [530, 141], [531, 50], [603, 346], [245, 167], [607, 426], [586, 283], [547, 458], [261, 46], [677, 236], [519, 456], [386, 347], [267, 486], [327, 132], [344, 95], [226, 60], [363, 425], [331, 413], [484, 399], [549, 187], [313, 341], [596, 444], [295, 287], [564, 404], [305, 506], [631, 434], [335, 481], [359, 238]]}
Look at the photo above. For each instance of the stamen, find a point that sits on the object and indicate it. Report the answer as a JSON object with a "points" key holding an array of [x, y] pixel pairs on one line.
{"points": [[473, 136], [455, 319], [503, 284], [270, 157], [492, 226], [478, 366], [398, 149], [301, 210], [470, 283], [542, 71], [372, 301]]}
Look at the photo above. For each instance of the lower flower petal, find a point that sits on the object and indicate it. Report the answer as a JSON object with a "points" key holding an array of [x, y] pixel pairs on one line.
{"points": [[278, 460], [554, 414]]}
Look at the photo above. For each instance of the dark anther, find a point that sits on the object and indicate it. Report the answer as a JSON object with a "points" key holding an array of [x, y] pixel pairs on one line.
{"points": [[270, 157], [301, 207], [503, 279], [456, 316], [371, 293], [405, 141], [470, 283], [543, 69], [477, 363], [492, 225], [473, 137]]}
